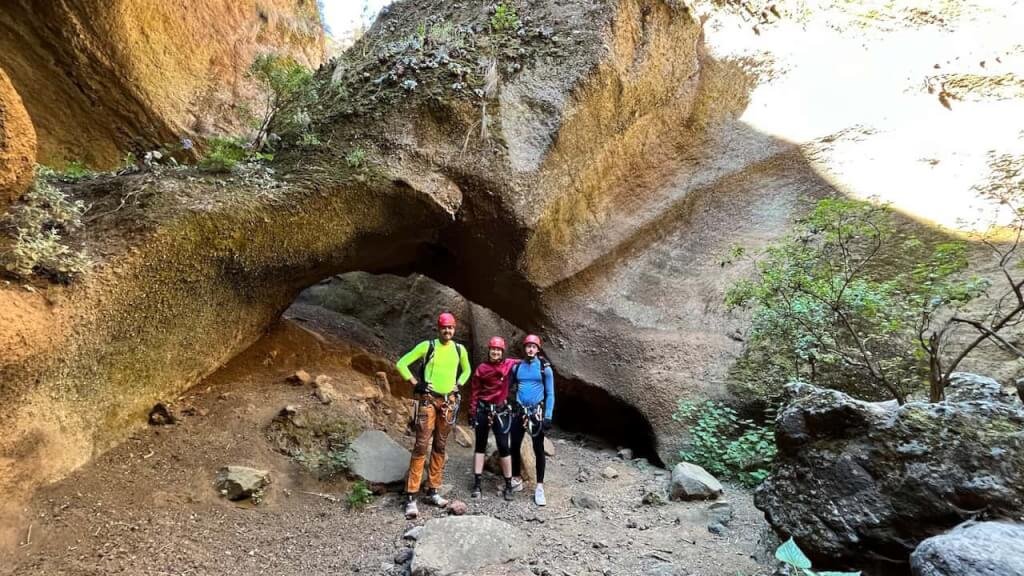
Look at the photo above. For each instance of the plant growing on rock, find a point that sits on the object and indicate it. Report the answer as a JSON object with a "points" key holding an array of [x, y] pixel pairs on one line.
{"points": [[35, 230], [850, 296], [289, 91], [504, 18]]}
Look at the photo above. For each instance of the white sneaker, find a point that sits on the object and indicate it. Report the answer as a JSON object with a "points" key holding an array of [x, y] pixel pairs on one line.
{"points": [[411, 511], [437, 500], [538, 496], [517, 484]]}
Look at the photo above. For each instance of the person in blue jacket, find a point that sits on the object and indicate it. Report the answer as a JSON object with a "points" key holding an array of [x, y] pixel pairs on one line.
{"points": [[534, 383]]}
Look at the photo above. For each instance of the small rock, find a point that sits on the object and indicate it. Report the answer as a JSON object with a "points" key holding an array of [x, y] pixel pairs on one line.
{"points": [[585, 501], [654, 498], [625, 453], [240, 482], [463, 437], [162, 415], [610, 472], [549, 447], [716, 529], [404, 555], [720, 513], [324, 390], [691, 482], [413, 533], [1020, 389], [300, 378], [457, 508]]}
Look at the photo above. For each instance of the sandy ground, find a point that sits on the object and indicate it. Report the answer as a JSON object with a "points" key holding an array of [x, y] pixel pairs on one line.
{"points": [[149, 505]]}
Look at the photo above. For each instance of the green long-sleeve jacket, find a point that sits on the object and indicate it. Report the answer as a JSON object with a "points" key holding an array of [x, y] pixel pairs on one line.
{"points": [[448, 360]]}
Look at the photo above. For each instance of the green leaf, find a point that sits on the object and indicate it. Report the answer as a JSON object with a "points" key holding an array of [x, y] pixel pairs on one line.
{"points": [[791, 554], [857, 573]]}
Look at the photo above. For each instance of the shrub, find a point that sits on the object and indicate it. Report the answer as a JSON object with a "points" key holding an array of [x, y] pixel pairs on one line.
{"points": [[289, 91], [223, 155], [35, 228], [504, 18], [724, 444], [852, 297], [359, 495]]}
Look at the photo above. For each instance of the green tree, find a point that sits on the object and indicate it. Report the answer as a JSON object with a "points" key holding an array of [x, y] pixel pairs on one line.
{"points": [[289, 91], [837, 301]]}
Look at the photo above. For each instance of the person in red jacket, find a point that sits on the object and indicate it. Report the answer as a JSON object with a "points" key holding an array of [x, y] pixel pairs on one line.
{"points": [[489, 410]]}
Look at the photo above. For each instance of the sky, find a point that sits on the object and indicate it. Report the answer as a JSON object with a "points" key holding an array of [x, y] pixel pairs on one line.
{"points": [[340, 16]]}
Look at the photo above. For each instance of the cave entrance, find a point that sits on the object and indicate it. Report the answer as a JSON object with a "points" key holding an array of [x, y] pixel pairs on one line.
{"points": [[388, 314]]}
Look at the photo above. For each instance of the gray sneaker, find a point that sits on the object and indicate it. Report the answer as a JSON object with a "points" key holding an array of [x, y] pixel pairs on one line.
{"points": [[517, 484], [538, 496], [437, 500], [411, 511]]}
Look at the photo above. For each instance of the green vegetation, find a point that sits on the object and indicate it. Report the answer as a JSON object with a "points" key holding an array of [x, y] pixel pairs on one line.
{"points": [[791, 555], [359, 495], [724, 444], [224, 154], [851, 300], [289, 92], [356, 158], [35, 229], [504, 19]]}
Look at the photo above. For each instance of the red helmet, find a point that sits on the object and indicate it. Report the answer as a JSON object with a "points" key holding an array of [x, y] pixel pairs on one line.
{"points": [[496, 342], [445, 319], [532, 339]]}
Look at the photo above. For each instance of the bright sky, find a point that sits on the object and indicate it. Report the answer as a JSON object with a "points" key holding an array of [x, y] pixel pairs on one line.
{"points": [[344, 15]]}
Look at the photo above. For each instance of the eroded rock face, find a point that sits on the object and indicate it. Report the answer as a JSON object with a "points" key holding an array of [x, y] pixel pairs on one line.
{"points": [[868, 481], [17, 144], [101, 78]]}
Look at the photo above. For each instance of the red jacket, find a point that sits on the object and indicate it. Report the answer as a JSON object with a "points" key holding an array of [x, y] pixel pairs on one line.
{"points": [[489, 383]]}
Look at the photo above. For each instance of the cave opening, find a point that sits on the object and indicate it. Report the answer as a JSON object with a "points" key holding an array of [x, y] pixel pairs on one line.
{"points": [[387, 314]]}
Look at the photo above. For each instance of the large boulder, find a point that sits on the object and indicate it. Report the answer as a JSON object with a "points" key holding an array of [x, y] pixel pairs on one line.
{"points": [[972, 549], [466, 544], [858, 480], [691, 482], [103, 78], [17, 144], [378, 459]]}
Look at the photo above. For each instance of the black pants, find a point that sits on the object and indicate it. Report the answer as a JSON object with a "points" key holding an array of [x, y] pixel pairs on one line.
{"points": [[518, 433], [500, 426]]}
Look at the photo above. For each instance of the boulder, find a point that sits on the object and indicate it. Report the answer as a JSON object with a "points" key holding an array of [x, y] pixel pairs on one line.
{"points": [[378, 459], [529, 467], [972, 549], [466, 543], [856, 480], [964, 386], [549, 447], [691, 482], [463, 436], [240, 482]]}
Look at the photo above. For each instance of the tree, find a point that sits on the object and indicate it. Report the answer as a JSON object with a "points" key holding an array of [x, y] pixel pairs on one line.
{"points": [[852, 295], [289, 92]]}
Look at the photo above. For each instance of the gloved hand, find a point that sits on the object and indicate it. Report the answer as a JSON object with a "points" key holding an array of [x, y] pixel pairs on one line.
{"points": [[419, 388], [547, 424]]}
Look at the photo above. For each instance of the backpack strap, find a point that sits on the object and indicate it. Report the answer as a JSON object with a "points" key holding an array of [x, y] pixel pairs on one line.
{"points": [[426, 360]]}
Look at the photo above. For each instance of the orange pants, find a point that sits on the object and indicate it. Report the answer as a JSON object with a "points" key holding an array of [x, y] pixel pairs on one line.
{"points": [[431, 423]]}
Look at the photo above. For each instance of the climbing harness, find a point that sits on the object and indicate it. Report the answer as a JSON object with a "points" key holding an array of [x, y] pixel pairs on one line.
{"points": [[450, 411], [502, 414], [533, 419]]}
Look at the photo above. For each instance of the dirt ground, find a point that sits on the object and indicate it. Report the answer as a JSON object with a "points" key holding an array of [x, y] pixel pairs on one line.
{"points": [[149, 505]]}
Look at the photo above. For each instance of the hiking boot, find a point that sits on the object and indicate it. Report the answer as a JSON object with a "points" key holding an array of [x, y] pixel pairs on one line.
{"points": [[411, 511], [507, 494], [517, 484], [476, 491], [538, 496], [437, 500]]}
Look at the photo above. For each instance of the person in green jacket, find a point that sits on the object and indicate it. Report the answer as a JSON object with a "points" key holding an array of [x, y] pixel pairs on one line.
{"points": [[445, 366]]}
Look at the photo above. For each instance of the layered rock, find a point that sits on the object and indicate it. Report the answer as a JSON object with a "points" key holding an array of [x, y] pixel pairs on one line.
{"points": [[101, 78], [587, 195], [858, 481], [17, 144]]}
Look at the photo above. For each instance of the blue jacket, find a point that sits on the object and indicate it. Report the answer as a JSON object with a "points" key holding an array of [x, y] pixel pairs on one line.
{"points": [[535, 387]]}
